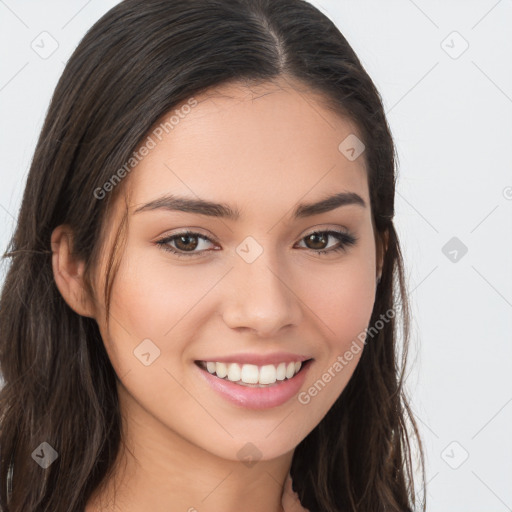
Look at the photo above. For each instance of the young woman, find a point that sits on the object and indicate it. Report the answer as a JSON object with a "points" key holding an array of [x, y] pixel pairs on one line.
{"points": [[205, 286]]}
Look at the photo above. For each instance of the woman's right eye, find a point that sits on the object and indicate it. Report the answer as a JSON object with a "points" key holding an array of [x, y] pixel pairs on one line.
{"points": [[185, 242]]}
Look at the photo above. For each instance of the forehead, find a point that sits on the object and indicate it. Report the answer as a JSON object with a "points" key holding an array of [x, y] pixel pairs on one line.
{"points": [[266, 146]]}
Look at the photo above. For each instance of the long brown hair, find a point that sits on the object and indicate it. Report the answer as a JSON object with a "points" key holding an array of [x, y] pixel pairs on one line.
{"points": [[140, 60]]}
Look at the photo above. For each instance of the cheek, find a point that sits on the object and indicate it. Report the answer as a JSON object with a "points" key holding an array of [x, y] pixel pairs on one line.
{"points": [[348, 309], [342, 297], [342, 301], [340, 351], [148, 302], [152, 297], [151, 306]]}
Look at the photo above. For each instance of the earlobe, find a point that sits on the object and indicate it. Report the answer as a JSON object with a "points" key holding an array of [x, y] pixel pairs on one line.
{"points": [[68, 272]]}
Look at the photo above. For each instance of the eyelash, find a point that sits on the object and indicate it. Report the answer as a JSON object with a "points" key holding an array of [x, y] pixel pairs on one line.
{"points": [[346, 240]]}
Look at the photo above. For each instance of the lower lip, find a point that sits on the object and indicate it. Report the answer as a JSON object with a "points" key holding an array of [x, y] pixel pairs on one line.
{"points": [[257, 398]]}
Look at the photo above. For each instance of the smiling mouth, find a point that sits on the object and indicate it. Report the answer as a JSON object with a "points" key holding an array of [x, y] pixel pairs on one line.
{"points": [[251, 375]]}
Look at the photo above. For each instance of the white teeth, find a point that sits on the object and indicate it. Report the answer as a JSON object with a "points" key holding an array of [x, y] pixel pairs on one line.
{"points": [[252, 374], [281, 371], [268, 374], [221, 370], [234, 372], [249, 374], [290, 370]]}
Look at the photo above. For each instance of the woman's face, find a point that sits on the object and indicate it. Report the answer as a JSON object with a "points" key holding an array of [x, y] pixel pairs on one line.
{"points": [[252, 288]]}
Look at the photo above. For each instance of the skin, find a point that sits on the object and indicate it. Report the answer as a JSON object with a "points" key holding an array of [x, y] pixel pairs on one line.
{"points": [[261, 150]]}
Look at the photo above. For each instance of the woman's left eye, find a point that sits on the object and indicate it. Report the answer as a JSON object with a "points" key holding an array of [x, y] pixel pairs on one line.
{"points": [[185, 243]]}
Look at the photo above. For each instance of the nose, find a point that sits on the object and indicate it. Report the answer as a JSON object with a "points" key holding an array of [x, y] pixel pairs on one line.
{"points": [[261, 298]]}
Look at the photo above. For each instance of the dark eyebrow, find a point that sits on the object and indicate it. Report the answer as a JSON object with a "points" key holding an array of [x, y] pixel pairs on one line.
{"points": [[202, 207], [329, 203], [185, 204]]}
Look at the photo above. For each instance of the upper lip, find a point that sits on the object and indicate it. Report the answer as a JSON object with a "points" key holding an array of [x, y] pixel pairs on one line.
{"points": [[258, 359]]}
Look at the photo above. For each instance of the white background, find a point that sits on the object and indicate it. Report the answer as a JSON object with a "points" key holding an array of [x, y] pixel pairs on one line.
{"points": [[452, 122]]}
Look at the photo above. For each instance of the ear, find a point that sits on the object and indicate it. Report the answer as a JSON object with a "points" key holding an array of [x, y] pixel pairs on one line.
{"points": [[382, 247], [68, 272]]}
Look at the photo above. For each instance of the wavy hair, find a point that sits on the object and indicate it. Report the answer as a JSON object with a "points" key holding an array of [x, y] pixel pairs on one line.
{"points": [[141, 59]]}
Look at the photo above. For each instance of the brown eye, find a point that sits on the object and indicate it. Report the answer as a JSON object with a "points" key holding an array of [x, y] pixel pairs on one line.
{"points": [[316, 241], [184, 244]]}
